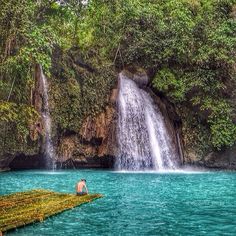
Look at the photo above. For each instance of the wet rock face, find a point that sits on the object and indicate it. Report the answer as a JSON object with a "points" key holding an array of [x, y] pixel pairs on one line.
{"points": [[172, 122], [94, 145], [5, 161], [10, 147], [23, 162], [100, 132], [105, 162], [37, 99], [138, 75], [221, 160], [215, 160]]}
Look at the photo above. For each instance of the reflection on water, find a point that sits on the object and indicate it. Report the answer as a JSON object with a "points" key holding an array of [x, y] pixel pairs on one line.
{"points": [[49, 172]]}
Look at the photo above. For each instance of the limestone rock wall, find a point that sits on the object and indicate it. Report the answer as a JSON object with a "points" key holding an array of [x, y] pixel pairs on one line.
{"points": [[94, 145], [11, 148]]}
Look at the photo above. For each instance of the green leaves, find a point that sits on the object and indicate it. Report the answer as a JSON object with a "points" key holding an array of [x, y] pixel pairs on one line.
{"points": [[201, 90], [22, 116], [190, 45], [167, 81], [223, 132], [29, 31]]}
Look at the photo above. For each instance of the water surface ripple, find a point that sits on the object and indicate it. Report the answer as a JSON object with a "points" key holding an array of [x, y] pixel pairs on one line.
{"points": [[135, 203]]}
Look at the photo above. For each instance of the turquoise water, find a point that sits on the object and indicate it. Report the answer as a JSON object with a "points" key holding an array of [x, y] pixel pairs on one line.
{"points": [[135, 203]]}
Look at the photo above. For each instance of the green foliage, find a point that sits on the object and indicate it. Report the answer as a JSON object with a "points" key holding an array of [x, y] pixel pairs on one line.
{"points": [[66, 105], [223, 131], [196, 136], [96, 90], [189, 46], [167, 80], [29, 31], [202, 90], [78, 93], [19, 117]]}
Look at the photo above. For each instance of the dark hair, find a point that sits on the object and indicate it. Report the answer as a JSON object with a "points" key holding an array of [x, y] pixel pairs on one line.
{"points": [[83, 180]]}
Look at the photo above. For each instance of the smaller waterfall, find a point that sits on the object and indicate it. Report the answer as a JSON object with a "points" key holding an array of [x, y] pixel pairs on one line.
{"points": [[143, 139], [49, 152]]}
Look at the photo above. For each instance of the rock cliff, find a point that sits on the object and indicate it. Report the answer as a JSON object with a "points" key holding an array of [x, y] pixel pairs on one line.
{"points": [[92, 143]]}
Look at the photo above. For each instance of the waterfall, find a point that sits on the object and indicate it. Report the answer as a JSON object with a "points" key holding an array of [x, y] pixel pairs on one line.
{"points": [[143, 140], [49, 153]]}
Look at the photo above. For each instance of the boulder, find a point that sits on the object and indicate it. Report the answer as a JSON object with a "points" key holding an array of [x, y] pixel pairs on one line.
{"points": [[138, 75]]}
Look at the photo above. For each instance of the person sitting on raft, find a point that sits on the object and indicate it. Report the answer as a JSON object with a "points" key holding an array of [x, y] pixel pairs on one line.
{"points": [[81, 185]]}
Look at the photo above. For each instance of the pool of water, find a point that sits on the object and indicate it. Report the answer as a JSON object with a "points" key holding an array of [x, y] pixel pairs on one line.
{"points": [[177, 203]]}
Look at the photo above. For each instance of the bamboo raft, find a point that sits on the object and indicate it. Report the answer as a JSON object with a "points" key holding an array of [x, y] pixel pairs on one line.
{"points": [[19, 209]]}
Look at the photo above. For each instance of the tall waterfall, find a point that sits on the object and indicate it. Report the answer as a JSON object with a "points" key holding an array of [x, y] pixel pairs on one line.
{"points": [[143, 139], [49, 152]]}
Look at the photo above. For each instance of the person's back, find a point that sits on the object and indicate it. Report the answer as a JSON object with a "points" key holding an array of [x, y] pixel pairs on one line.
{"points": [[81, 185]]}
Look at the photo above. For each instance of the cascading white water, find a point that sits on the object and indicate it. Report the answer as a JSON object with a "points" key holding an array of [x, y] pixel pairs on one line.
{"points": [[49, 152], [143, 140]]}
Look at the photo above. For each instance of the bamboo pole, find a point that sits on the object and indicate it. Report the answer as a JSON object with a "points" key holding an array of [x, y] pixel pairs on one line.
{"points": [[24, 208]]}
